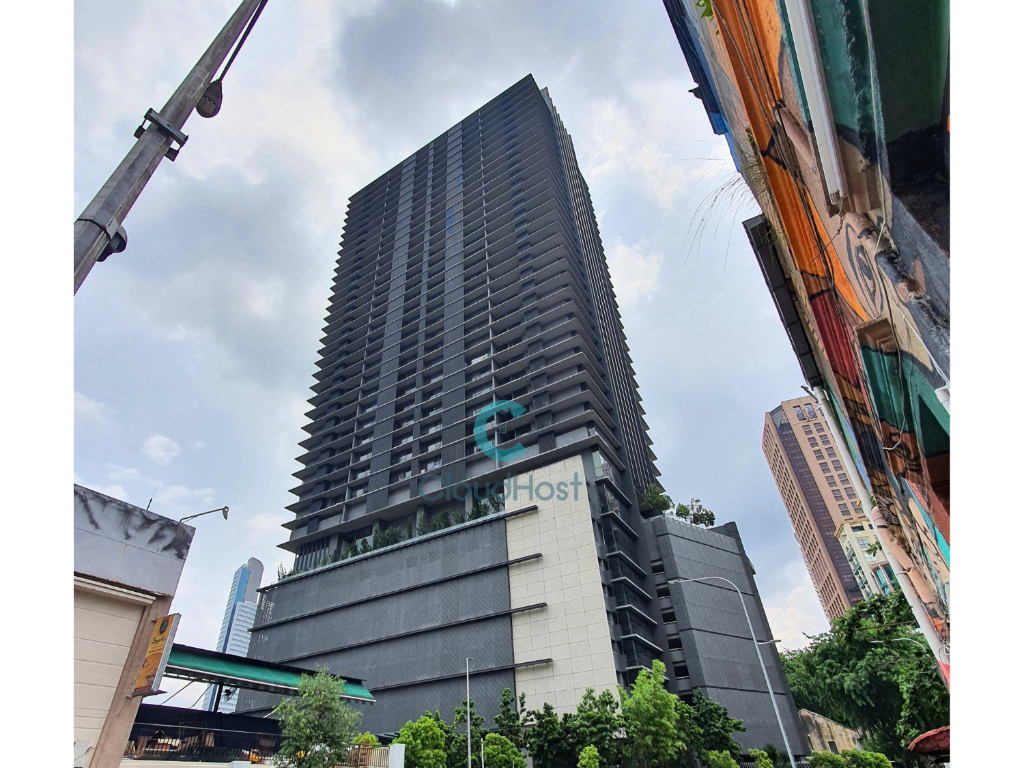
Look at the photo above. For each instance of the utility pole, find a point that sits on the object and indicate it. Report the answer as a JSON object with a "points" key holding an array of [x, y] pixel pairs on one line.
{"points": [[99, 231]]}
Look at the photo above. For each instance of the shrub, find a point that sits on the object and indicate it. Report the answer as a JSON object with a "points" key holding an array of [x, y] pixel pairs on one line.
{"points": [[459, 515], [366, 738], [719, 760], [440, 521], [856, 758], [385, 537], [826, 760], [761, 759]]}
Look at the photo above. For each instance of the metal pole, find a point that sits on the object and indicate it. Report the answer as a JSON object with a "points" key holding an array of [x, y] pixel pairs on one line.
{"points": [[100, 222], [469, 722], [757, 650]]}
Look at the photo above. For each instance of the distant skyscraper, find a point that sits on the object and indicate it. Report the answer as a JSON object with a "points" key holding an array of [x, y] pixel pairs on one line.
{"points": [[239, 615], [833, 532]]}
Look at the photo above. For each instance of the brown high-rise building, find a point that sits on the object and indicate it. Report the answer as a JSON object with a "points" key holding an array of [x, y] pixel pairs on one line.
{"points": [[815, 487]]}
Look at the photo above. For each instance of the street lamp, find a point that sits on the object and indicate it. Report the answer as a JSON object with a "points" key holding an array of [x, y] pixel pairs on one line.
{"points": [[757, 650], [469, 721], [210, 512]]}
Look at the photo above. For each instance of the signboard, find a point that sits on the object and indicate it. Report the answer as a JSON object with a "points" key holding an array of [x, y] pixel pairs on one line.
{"points": [[157, 652]]}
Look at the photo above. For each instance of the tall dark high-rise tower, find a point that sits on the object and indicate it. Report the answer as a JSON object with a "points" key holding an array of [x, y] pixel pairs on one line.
{"points": [[472, 341]]}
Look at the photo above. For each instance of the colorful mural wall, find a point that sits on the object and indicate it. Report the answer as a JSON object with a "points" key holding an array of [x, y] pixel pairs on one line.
{"points": [[837, 115]]}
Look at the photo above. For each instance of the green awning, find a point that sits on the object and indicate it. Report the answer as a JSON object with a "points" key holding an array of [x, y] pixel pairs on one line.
{"points": [[201, 665]]}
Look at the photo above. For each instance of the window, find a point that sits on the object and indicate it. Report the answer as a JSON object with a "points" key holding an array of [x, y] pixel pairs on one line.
{"points": [[433, 463], [851, 494], [813, 442], [837, 465], [432, 394], [668, 616], [356, 458], [833, 748], [818, 426], [843, 478], [863, 543], [825, 440], [824, 467], [857, 528], [810, 411], [818, 454], [837, 494], [357, 492], [431, 428], [662, 590], [807, 429], [675, 643], [831, 481], [800, 413], [831, 452], [680, 670], [657, 566], [844, 509]]}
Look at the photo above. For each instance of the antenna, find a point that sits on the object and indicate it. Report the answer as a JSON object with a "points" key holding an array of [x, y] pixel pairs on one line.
{"points": [[153, 496]]}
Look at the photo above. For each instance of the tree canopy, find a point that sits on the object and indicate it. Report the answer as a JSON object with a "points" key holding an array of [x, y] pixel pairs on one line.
{"points": [[655, 498], [316, 726], [870, 675], [424, 743]]}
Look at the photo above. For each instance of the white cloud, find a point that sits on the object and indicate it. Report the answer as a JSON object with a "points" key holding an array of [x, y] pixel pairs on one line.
{"points": [[118, 473], [801, 616], [114, 491], [634, 273], [160, 450], [88, 409]]}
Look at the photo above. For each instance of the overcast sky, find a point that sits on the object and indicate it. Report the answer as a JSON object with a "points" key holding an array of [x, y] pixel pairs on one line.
{"points": [[195, 348]]}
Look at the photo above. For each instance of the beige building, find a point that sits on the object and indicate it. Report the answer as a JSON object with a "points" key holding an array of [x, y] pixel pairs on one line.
{"points": [[826, 735], [864, 554], [127, 564], [819, 496]]}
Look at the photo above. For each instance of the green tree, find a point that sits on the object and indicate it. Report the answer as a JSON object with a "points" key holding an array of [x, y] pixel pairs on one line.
{"points": [[655, 498], [457, 754], [650, 718], [689, 733], [546, 741], [316, 726], [589, 757], [879, 679], [721, 759], [499, 752], [857, 758], [424, 743], [598, 723], [453, 756], [510, 721], [715, 725], [366, 738], [779, 758], [826, 760], [761, 759]]}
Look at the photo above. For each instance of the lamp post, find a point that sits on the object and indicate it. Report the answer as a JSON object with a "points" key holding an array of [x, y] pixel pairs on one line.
{"points": [[99, 231], [757, 650], [223, 510], [469, 721]]}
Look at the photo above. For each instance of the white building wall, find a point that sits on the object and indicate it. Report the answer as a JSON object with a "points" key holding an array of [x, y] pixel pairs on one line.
{"points": [[573, 629], [106, 620]]}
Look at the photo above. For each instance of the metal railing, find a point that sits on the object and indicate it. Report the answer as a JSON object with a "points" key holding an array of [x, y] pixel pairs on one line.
{"points": [[181, 743]]}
